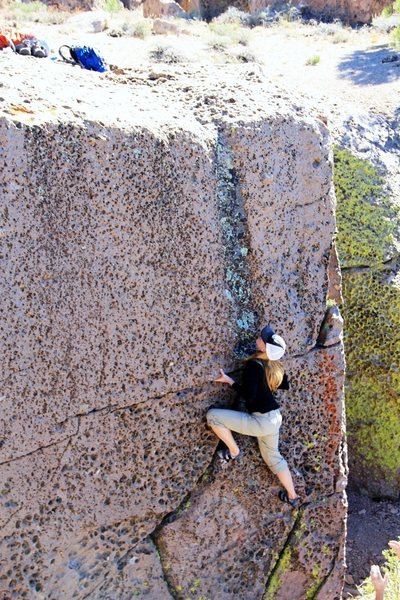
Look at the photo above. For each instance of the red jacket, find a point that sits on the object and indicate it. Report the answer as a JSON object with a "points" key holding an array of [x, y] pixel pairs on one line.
{"points": [[17, 37]]}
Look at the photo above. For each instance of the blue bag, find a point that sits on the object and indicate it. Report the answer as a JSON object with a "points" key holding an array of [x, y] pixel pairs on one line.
{"points": [[85, 56]]}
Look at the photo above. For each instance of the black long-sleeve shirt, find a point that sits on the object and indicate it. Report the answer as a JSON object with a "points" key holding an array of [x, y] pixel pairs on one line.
{"points": [[255, 390]]}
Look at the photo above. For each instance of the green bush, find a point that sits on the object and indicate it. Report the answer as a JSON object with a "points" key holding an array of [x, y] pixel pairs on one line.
{"points": [[113, 6], [392, 567], [246, 56], [228, 31], [233, 16], [262, 18], [218, 43], [27, 9], [313, 60], [395, 37], [165, 54], [388, 11], [392, 8], [227, 34], [138, 29]]}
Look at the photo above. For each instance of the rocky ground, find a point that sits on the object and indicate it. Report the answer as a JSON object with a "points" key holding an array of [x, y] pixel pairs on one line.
{"points": [[352, 67], [371, 524], [352, 71]]}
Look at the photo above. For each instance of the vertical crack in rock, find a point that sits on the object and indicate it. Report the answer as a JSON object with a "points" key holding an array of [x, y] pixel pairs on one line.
{"points": [[4, 525], [275, 579], [275, 573], [169, 518], [331, 330], [324, 579], [233, 223], [175, 514], [57, 468], [167, 580], [98, 587]]}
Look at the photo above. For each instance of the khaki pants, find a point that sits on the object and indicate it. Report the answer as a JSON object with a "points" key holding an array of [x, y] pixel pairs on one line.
{"points": [[265, 427]]}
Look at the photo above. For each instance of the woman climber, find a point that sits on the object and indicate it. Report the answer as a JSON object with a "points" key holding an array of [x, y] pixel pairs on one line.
{"points": [[263, 374]]}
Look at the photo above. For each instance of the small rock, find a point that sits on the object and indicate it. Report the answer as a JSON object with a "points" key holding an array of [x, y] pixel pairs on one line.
{"points": [[191, 7], [90, 21], [362, 512], [350, 592], [390, 59], [115, 33], [162, 27], [363, 147], [162, 8]]}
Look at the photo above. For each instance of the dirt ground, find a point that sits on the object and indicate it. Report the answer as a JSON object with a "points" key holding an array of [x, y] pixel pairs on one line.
{"points": [[348, 73], [371, 524]]}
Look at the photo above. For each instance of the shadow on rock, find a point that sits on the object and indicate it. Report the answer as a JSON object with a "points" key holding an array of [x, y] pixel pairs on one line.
{"points": [[371, 67]]}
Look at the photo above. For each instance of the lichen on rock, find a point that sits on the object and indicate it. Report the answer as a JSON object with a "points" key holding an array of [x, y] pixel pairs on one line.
{"points": [[368, 245], [367, 219]]}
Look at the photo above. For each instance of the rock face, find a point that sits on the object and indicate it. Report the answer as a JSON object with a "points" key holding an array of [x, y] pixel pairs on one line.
{"points": [[191, 7], [162, 8], [141, 247], [368, 185], [351, 11]]}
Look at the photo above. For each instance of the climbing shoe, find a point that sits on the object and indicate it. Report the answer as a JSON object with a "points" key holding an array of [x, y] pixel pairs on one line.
{"points": [[24, 48], [39, 51], [224, 454], [283, 496]]}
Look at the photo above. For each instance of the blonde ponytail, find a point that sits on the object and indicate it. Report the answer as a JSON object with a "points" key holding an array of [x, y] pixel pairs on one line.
{"points": [[274, 370]]}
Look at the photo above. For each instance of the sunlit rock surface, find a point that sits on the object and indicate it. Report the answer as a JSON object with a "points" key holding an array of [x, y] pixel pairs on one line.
{"points": [[149, 227]]}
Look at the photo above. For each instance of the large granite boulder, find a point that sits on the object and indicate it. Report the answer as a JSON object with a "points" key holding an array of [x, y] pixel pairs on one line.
{"points": [[141, 249]]}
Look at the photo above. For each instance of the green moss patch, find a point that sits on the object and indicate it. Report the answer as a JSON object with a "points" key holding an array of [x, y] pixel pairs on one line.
{"points": [[367, 220], [372, 344], [275, 583]]}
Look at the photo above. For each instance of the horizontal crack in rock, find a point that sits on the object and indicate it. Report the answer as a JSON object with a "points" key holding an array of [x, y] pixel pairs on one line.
{"points": [[57, 443], [115, 407], [382, 265]]}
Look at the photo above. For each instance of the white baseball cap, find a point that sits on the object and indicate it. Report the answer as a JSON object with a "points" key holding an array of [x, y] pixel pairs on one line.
{"points": [[275, 345]]}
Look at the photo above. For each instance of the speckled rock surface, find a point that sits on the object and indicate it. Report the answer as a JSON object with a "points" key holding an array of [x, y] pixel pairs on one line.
{"points": [[141, 249], [270, 550]]}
